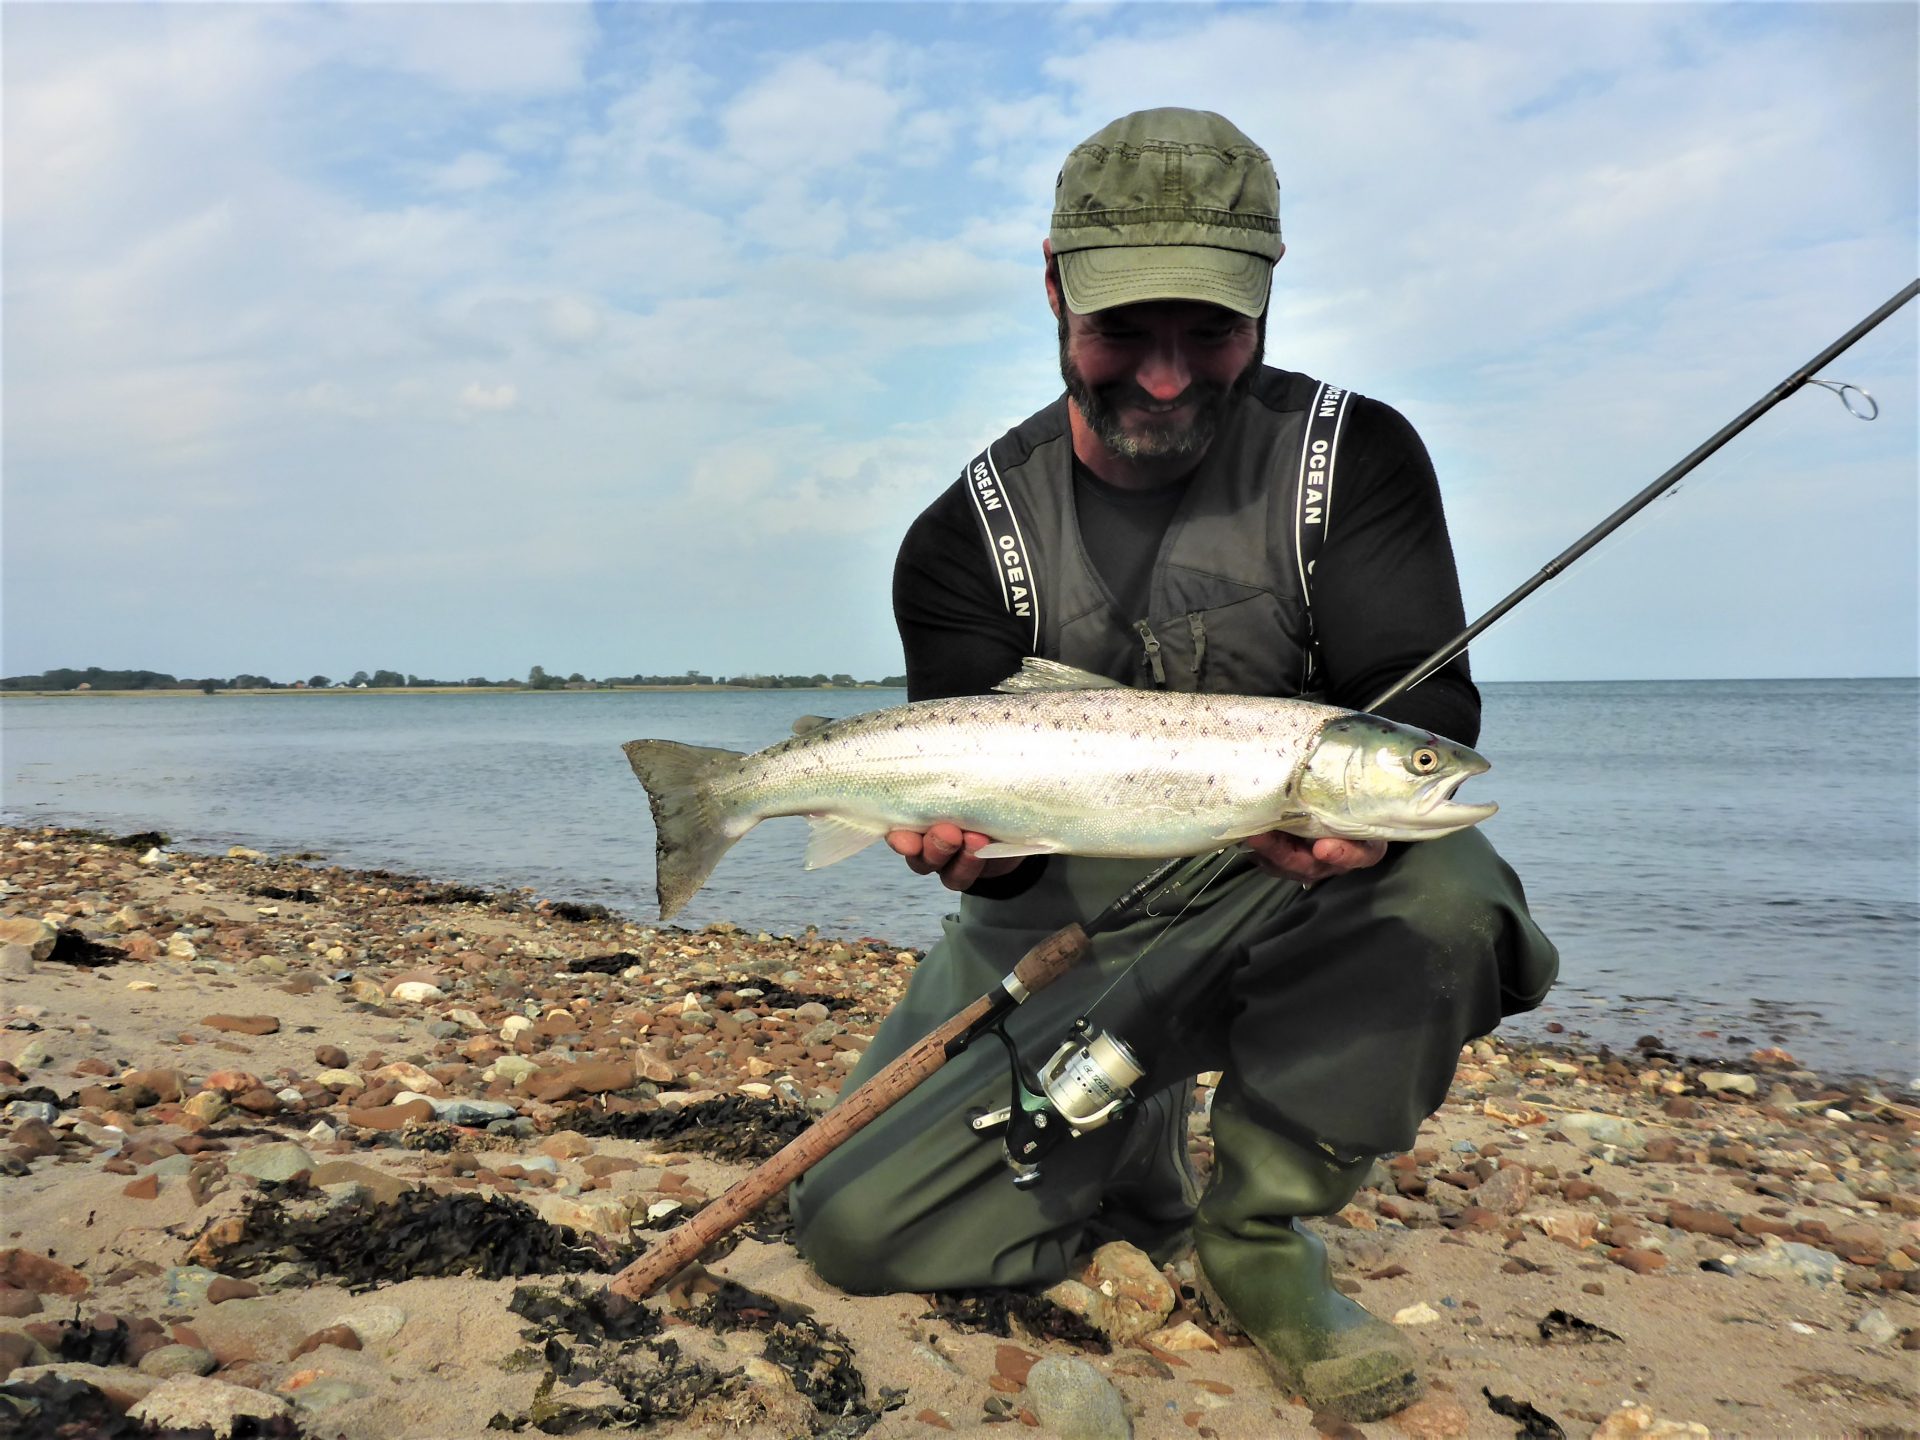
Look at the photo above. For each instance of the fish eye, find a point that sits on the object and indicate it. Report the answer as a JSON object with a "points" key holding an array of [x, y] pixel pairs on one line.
{"points": [[1425, 760]]}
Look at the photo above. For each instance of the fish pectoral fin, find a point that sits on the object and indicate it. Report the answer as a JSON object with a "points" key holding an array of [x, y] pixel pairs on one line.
{"points": [[1007, 850], [834, 839], [1037, 676]]}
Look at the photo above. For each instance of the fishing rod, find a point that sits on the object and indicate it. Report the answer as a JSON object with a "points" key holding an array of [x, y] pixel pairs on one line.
{"points": [[1088, 1079]]}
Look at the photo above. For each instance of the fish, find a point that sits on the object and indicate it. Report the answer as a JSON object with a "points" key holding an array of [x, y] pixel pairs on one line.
{"points": [[1060, 761]]}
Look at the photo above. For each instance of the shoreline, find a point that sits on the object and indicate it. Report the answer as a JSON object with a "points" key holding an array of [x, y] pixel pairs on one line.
{"points": [[430, 690], [1749, 1236]]}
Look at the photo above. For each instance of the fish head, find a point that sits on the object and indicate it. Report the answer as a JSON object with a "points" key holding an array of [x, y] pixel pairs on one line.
{"points": [[1371, 779]]}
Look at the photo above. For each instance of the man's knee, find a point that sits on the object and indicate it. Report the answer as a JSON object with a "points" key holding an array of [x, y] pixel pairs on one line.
{"points": [[1468, 913], [842, 1233]]}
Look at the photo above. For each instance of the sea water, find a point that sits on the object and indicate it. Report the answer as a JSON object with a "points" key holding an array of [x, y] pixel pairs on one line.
{"points": [[1723, 864]]}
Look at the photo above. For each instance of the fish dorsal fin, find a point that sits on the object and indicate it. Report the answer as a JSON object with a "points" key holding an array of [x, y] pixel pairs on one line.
{"points": [[834, 838], [1038, 676], [807, 724]]}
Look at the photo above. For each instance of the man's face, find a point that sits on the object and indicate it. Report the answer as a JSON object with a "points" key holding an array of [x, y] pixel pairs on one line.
{"points": [[1152, 380]]}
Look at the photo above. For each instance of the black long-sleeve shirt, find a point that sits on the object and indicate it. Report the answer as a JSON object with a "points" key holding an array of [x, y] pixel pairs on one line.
{"points": [[1385, 591]]}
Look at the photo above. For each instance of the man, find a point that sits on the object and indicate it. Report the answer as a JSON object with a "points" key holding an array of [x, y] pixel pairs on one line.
{"points": [[1187, 517]]}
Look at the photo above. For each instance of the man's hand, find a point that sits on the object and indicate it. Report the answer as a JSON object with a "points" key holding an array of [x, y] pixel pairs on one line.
{"points": [[948, 851], [1288, 857]]}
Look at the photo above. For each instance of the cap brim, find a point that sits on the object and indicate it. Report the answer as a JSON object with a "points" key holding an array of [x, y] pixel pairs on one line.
{"points": [[1099, 279]]}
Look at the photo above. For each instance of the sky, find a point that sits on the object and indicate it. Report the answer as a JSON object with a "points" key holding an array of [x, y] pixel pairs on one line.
{"points": [[459, 338]]}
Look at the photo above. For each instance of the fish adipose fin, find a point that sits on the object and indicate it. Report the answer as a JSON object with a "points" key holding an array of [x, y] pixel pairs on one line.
{"points": [[834, 839], [689, 827], [1007, 851], [1038, 676]]}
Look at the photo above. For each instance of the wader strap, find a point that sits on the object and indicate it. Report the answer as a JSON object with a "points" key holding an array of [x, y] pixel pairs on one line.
{"points": [[1197, 628], [1313, 503], [1006, 546], [1152, 643]]}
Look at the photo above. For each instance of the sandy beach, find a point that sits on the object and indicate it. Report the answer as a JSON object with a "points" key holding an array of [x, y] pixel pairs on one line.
{"points": [[291, 1149]]}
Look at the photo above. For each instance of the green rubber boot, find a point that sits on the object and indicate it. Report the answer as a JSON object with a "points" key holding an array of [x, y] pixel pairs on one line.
{"points": [[1273, 1276]]}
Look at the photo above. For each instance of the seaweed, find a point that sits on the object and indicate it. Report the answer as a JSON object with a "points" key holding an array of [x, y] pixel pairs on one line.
{"points": [[1563, 1328], [70, 947], [604, 964], [300, 895], [420, 1233], [775, 997], [1534, 1425], [739, 1128], [92, 1344], [994, 1311], [577, 910]]}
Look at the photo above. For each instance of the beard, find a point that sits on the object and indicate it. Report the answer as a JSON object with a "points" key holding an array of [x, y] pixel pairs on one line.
{"points": [[1173, 439]]}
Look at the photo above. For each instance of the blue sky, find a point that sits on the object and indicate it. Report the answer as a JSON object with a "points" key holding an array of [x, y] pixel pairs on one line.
{"points": [[455, 339]]}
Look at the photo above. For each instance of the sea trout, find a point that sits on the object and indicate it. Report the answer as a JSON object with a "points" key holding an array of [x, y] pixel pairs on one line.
{"points": [[1061, 761]]}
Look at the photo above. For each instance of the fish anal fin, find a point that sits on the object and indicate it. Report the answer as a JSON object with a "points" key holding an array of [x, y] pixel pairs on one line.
{"points": [[1009, 849], [1037, 676], [834, 838]]}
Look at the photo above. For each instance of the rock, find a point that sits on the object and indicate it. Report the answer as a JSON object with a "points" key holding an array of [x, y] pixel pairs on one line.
{"points": [[331, 1056], [415, 992], [191, 1402], [1589, 1127], [1632, 1422], [1419, 1313], [1723, 1082], [207, 1107], [277, 1162], [1570, 1227], [226, 1288], [242, 1024], [16, 962], [341, 1337], [1074, 1401], [122, 1385], [41, 1110], [17, 1304], [147, 1187], [178, 1360], [471, 1112], [1434, 1418], [598, 1212], [186, 1286], [514, 1068], [374, 1324], [1640, 1262], [18, 1350], [1876, 1329], [36, 937], [1135, 1297], [1789, 1260], [1505, 1192], [1184, 1336], [42, 1274]]}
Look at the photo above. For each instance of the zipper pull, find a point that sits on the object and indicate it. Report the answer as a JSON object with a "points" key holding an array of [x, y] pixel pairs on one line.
{"points": [[1152, 643]]}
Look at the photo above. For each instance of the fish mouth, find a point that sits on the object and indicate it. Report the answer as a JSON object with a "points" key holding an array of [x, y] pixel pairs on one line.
{"points": [[1436, 809]]}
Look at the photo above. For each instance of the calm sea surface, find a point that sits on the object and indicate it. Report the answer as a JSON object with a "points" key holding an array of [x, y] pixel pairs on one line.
{"points": [[1723, 864]]}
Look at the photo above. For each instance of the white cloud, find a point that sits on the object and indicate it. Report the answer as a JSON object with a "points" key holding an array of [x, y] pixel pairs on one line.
{"points": [[477, 397]]}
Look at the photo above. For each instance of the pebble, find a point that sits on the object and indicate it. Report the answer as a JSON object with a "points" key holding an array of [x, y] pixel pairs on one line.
{"points": [[1723, 1082], [1419, 1313], [374, 1324], [1074, 1401], [1588, 1127], [1134, 1298], [178, 1360], [1434, 1418], [1789, 1260], [186, 1286], [276, 1162], [416, 992], [1876, 1329], [42, 1274]]}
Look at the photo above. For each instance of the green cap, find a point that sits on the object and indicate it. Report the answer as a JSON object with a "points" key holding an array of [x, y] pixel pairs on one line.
{"points": [[1167, 205]]}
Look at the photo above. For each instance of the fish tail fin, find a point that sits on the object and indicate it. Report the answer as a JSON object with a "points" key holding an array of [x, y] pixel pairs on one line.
{"points": [[691, 827]]}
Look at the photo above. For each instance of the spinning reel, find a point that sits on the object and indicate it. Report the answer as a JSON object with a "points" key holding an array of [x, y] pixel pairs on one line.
{"points": [[1087, 1082]]}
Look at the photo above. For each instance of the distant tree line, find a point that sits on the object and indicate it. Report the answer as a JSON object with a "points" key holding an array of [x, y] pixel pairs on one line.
{"points": [[94, 677]]}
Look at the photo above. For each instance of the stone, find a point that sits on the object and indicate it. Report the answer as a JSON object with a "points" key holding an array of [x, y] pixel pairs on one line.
{"points": [[147, 1187], [207, 1107], [1723, 1082], [17, 1304], [338, 1079], [471, 1112], [1789, 1260], [36, 937], [1074, 1401], [42, 1274], [1435, 1418], [1589, 1127], [276, 1162], [597, 1212], [242, 1024], [178, 1360], [1135, 1298], [415, 992], [186, 1286], [331, 1056], [16, 962], [341, 1337], [1419, 1313], [1570, 1227], [1637, 1422], [226, 1288], [1876, 1329], [514, 1068], [1505, 1192], [1184, 1336], [374, 1324], [192, 1402]]}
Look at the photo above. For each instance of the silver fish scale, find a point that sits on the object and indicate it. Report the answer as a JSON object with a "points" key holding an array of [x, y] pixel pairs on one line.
{"points": [[1111, 772]]}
